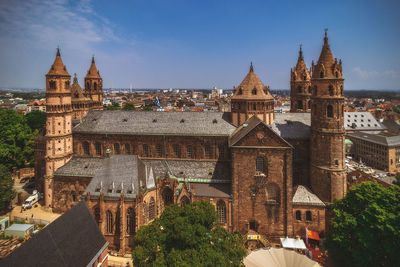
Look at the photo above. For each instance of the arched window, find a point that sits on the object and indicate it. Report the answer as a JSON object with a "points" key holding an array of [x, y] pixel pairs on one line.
{"points": [[221, 211], [86, 148], [189, 151], [95, 86], [337, 75], [152, 209], [341, 90], [254, 92], [260, 164], [273, 193], [66, 84], [159, 150], [87, 85], [329, 111], [117, 222], [208, 152], [52, 85], [299, 89], [177, 151], [130, 221], [98, 149], [168, 196], [221, 151], [308, 216], [299, 104], [97, 214], [330, 90], [304, 78], [117, 149], [298, 215], [184, 201], [109, 222], [254, 106], [127, 149]]}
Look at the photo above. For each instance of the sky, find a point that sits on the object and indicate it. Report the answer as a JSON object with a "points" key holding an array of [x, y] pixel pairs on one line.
{"points": [[197, 44]]}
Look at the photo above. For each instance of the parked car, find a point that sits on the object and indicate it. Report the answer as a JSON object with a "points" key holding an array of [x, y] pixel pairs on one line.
{"points": [[23, 180], [32, 199]]}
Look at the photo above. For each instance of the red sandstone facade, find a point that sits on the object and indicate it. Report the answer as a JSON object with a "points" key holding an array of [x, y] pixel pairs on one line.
{"points": [[265, 168]]}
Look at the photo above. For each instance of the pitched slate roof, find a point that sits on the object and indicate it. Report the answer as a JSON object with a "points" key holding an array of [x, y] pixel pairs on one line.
{"points": [[389, 141], [292, 125], [119, 174], [80, 166], [304, 196], [155, 123], [362, 121], [211, 190], [207, 171], [73, 239]]}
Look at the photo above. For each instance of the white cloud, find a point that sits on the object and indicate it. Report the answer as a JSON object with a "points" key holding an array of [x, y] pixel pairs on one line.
{"points": [[375, 74]]}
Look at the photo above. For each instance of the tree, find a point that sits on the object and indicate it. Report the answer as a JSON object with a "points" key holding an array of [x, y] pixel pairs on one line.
{"points": [[397, 177], [16, 140], [187, 236], [36, 119], [365, 229], [7, 193], [114, 106], [129, 106]]}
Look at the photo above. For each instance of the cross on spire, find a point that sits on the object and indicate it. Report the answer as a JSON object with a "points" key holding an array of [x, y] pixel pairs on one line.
{"points": [[251, 67]]}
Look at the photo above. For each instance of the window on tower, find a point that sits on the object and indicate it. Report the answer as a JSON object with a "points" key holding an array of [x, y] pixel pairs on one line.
{"points": [[299, 89], [95, 86], [329, 111], [87, 85], [86, 149], [254, 92], [321, 74], [299, 104], [330, 90], [52, 85], [66, 84]]}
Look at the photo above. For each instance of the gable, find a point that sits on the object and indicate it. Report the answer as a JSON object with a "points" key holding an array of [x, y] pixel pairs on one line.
{"points": [[256, 133]]}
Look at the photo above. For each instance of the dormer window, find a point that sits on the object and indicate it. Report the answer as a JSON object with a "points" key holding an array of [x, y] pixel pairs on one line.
{"points": [[254, 92], [240, 91]]}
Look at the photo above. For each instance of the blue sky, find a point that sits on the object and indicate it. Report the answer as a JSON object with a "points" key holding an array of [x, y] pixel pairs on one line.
{"points": [[197, 44]]}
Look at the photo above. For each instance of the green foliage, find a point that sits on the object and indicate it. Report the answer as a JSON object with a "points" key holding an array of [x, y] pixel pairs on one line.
{"points": [[16, 140], [7, 193], [129, 106], [114, 106], [397, 181], [187, 236], [366, 227], [36, 119], [148, 107]]}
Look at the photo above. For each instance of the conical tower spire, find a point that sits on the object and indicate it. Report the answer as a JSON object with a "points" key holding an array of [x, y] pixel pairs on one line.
{"points": [[58, 67], [326, 65], [93, 72]]}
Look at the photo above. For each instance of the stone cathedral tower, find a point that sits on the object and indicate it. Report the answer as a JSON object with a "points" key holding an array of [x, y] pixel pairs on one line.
{"points": [[300, 86], [327, 129], [58, 123], [94, 86], [252, 98]]}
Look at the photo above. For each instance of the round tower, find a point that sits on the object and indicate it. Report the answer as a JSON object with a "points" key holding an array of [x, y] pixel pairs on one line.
{"points": [[94, 86], [300, 86], [58, 123], [327, 128], [252, 98]]}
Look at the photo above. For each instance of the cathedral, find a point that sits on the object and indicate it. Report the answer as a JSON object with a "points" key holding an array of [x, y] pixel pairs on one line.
{"points": [[267, 173]]}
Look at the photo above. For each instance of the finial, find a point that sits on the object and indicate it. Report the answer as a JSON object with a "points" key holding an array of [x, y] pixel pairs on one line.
{"points": [[93, 58], [75, 78], [58, 51], [251, 67], [301, 52], [326, 35]]}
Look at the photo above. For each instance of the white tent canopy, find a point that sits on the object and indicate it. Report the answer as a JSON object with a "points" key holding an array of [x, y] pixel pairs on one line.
{"points": [[293, 243], [278, 257]]}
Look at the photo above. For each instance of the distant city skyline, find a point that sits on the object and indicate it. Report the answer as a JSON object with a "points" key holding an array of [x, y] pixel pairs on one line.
{"points": [[197, 44]]}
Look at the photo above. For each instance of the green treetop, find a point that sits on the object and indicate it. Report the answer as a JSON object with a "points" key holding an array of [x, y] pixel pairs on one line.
{"points": [[187, 236], [366, 227]]}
